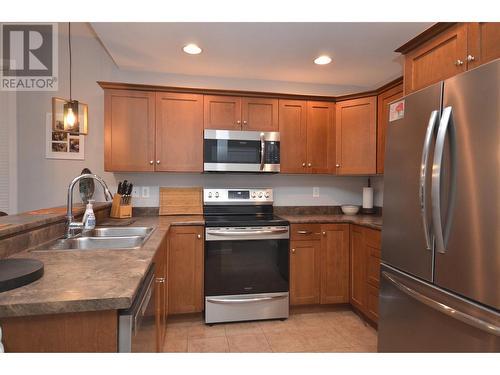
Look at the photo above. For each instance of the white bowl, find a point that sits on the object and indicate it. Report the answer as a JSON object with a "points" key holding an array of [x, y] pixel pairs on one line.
{"points": [[350, 209]]}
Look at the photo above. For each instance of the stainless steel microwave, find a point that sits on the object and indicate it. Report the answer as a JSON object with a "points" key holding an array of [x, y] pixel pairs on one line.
{"points": [[241, 151]]}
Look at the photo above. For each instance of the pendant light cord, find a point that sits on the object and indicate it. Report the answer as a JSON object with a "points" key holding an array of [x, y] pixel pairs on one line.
{"points": [[69, 45]]}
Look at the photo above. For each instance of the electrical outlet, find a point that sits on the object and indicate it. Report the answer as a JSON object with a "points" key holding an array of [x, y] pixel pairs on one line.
{"points": [[145, 191], [315, 192]]}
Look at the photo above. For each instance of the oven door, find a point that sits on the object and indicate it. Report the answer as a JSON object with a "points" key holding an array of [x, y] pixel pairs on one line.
{"points": [[240, 261], [241, 151]]}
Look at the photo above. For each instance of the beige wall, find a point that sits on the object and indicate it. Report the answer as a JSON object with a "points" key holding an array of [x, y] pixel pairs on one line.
{"points": [[43, 182]]}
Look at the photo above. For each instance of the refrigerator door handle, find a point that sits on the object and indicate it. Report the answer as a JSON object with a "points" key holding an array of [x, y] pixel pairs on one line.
{"points": [[441, 307], [423, 176], [446, 126]]}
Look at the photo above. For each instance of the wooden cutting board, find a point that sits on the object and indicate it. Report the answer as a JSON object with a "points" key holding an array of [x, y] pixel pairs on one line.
{"points": [[181, 201]]}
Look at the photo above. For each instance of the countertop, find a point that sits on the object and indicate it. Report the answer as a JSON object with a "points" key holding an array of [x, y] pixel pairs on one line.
{"points": [[76, 281], [370, 221]]}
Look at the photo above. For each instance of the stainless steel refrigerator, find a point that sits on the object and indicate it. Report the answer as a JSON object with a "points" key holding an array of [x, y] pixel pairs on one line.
{"points": [[440, 274]]}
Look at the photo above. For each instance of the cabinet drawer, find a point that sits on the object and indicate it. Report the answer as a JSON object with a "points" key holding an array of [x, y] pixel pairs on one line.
{"points": [[305, 232]]}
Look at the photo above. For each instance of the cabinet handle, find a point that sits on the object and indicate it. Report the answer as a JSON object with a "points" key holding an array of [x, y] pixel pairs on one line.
{"points": [[324, 233], [244, 122], [309, 164], [303, 164], [459, 62], [151, 162], [157, 162], [470, 58], [293, 251], [238, 122], [199, 236], [160, 280], [303, 232], [337, 165]]}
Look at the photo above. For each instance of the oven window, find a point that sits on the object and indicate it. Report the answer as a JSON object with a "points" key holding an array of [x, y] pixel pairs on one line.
{"points": [[232, 151], [246, 267]]}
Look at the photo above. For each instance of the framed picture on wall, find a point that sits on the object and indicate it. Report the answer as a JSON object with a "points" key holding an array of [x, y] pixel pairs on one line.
{"points": [[62, 145]]}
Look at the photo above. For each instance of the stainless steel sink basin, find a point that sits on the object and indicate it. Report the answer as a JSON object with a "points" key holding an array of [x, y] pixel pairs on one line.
{"points": [[119, 231], [125, 238]]}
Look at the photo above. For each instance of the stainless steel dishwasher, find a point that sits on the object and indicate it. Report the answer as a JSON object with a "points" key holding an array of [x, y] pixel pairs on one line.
{"points": [[137, 325]]}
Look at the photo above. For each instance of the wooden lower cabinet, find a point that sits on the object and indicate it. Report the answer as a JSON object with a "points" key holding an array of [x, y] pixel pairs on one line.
{"points": [[185, 269], [85, 332], [335, 263], [319, 264], [305, 266], [161, 294], [365, 270]]}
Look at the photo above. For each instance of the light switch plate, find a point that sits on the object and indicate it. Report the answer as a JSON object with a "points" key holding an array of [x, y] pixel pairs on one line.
{"points": [[315, 192], [145, 191]]}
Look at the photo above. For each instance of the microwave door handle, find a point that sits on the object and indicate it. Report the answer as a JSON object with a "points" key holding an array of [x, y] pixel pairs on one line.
{"points": [[423, 176], [446, 126], [262, 151]]}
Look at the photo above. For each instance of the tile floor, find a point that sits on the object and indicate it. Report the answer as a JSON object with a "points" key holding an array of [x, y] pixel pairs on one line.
{"points": [[307, 330]]}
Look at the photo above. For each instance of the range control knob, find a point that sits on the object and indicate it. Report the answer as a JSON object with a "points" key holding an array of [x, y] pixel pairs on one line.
{"points": [[254, 194], [216, 194], [210, 195], [260, 194], [267, 194]]}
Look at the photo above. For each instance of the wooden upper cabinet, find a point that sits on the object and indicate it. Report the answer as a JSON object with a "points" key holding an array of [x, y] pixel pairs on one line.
{"points": [[179, 132], [437, 59], [129, 131], [356, 136], [305, 272], [335, 263], [383, 101], [320, 137], [483, 43], [185, 269], [260, 114], [292, 128], [222, 112]]}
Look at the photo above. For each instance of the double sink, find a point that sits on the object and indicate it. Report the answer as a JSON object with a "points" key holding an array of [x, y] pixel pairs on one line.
{"points": [[101, 238]]}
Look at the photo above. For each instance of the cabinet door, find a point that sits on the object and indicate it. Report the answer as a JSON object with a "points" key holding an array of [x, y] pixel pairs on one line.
{"points": [[160, 294], [179, 132], [441, 57], [129, 130], [358, 268], [335, 263], [305, 272], [222, 112], [292, 127], [259, 114], [357, 136], [372, 303], [320, 137], [185, 270], [383, 101], [483, 43]]}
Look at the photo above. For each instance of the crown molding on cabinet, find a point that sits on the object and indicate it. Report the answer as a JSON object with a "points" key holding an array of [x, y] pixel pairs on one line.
{"points": [[423, 37]]}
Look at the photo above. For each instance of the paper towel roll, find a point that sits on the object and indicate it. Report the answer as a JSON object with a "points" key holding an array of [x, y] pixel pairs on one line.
{"points": [[367, 197]]}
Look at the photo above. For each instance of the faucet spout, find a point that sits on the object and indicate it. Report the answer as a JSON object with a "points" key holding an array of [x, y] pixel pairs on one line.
{"points": [[71, 225]]}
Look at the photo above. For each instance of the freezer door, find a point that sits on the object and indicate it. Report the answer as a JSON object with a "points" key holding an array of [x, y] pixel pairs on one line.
{"points": [[406, 240], [466, 186], [416, 316]]}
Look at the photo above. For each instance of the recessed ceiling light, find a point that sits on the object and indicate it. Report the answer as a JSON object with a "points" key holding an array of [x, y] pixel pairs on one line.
{"points": [[192, 49], [323, 60]]}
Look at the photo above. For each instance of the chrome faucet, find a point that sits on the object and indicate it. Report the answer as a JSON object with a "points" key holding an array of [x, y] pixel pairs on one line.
{"points": [[72, 226]]}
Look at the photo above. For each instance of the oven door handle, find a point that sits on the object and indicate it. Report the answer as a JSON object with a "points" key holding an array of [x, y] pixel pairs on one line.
{"points": [[252, 233], [243, 300], [262, 151]]}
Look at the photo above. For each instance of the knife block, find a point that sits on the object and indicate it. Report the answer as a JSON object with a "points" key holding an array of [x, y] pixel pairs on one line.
{"points": [[120, 210]]}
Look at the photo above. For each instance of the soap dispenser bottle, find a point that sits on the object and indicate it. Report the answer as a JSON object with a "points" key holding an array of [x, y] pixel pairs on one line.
{"points": [[89, 216]]}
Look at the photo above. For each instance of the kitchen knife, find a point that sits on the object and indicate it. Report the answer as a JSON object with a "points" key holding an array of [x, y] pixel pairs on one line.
{"points": [[119, 190], [129, 192]]}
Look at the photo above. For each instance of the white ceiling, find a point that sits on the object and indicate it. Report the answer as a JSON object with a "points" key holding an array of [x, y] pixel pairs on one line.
{"points": [[362, 52]]}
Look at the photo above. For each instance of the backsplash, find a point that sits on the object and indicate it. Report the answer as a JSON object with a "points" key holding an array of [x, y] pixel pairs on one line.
{"points": [[289, 190]]}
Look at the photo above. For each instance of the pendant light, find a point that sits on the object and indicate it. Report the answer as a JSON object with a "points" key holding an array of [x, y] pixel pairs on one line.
{"points": [[75, 113]]}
